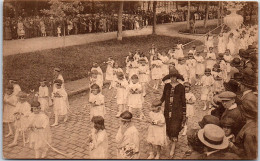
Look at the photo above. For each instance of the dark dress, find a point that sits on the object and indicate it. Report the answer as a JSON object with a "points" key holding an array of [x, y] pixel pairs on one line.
{"points": [[175, 103]]}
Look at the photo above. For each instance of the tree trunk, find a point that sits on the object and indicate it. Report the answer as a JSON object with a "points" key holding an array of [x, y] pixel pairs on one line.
{"points": [[219, 12], [154, 17], [149, 2], [120, 24], [188, 16], [206, 14]]}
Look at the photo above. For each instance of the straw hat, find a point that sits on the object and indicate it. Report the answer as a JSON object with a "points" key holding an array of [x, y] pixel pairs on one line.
{"points": [[126, 116], [213, 136]]}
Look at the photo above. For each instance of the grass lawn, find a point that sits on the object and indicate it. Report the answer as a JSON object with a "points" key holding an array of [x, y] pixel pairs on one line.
{"points": [[76, 61]]}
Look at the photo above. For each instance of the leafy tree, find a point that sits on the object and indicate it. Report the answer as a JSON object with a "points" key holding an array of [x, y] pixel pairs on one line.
{"points": [[120, 21]]}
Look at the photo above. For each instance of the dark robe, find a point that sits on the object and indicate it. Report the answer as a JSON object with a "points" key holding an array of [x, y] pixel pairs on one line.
{"points": [[175, 103]]}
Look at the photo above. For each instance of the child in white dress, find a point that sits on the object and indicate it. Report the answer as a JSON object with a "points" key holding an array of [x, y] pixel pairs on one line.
{"points": [[200, 67], [100, 75], [60, 102], [221, 43], [109, 71], [57, 75], [190, 100], [135, 96], [191, 68], [209, 39], [207, 82], [179, 50], [182, 68], [40, 135], [210, 58], [121, 96], [231, 44], [143, 72], [116, 69], [165, 66], [156, 72], [9, 104], [21, 113], [43, 96], [156, 137], [228, 59], [97, 102], [98, 139]]}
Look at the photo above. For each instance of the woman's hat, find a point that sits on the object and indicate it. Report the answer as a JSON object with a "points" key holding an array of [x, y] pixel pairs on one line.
{"points": [[209, 119], [156, 103], [178, 76], [58, 82], [213, 136], [126, 116], [236, 62], [227, 122]]}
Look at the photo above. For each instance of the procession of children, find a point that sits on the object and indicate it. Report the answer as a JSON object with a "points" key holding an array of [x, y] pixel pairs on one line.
{"points": [[132, 83]]}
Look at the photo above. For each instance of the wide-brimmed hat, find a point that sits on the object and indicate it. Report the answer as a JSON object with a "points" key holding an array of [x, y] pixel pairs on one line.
{"points": [[213, 136], [235, 62], [209, 119], [178, 76]]}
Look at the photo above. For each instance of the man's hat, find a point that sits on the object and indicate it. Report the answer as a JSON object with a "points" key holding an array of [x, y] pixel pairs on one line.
{"points": [[236, 62], [237, 77], [249, 78], [227, 122], [126, 116], [227, 95], [209, 119], [249, 107], [232, 86], [213, 136]]}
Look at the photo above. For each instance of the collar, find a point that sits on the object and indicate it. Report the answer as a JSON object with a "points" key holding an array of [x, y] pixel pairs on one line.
{"points": [[232, 106], [246, 92], [209, 153]]}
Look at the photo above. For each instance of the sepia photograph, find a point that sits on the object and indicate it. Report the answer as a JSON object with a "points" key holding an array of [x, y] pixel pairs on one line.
{"points": [[89, 79]]}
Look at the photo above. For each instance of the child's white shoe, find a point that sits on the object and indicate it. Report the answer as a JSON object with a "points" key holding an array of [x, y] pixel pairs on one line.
{"points": [[151, 156], [205, 107]]}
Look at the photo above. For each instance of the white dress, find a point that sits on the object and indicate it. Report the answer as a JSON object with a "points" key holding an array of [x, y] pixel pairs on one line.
{"points": [[221, 44], [211, 60], [99, 108], [121, 88], [189, 107], [191, 68], [200, 66], [165, 66], [22, 120], [41, 134], [231, 46], [109, 70], [156, 69], [99, 145], [144, 72], [129, 138], [206, 89], [60, 102], [135, 98], [43, 97], [8, 113], [179, 52], [100, 75], [182, 69], [209, 42], [157, 134]]}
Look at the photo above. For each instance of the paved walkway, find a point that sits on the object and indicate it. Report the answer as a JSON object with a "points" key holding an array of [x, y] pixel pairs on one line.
{"points": [[11, 47]]}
